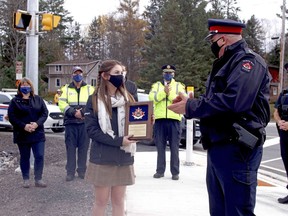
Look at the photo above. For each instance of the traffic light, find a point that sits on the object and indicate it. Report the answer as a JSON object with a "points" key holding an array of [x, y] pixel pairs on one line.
{"points": [[49, 21], [21, 20]]}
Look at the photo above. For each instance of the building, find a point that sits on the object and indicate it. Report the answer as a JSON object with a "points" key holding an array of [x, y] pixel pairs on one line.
{"points": [[274, 71], [60, 72]]}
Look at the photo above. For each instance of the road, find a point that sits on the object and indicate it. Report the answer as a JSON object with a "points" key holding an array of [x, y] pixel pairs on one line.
{"points": [[271, 164]]}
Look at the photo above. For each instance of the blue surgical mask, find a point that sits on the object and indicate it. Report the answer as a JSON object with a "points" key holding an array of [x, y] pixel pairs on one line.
{"points": [[78, 78], [25, 89], [168, 76]]}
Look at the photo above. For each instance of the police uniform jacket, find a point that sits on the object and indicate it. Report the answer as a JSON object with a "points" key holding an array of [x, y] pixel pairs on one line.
{"points": [[161, 100], [237, 90], [22, 112], [72, 99], [282, 105], [105, 150]]}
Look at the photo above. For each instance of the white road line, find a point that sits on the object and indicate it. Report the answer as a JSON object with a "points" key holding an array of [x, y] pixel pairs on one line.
{"points": [[271, 160], [271, 142], [269, 167]]}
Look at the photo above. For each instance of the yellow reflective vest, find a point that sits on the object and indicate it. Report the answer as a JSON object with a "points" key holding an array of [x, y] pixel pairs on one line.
{"points": [[161, 100], [70, 100]]}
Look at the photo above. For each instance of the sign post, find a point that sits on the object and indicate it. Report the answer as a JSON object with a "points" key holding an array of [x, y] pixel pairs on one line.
{"points": [[189, 133]]}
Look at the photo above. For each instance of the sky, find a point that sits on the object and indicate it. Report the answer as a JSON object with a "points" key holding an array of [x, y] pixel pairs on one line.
{"points": [[84, 11]]}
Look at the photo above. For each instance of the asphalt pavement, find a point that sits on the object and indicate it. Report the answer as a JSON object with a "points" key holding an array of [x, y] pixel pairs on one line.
{"points": [[188, 196]]}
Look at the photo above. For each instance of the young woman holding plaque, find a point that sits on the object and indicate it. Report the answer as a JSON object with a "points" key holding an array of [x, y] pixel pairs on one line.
{"points": [[110, 167]]}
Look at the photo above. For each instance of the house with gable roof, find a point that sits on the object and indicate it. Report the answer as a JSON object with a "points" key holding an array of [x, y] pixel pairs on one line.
{"points": [[60, 72]]}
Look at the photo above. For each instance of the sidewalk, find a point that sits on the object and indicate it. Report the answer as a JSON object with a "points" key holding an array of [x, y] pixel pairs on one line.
{"points": [[187, 196]]}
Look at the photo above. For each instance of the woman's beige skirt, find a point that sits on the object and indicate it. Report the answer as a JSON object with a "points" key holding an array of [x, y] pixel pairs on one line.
{"points": [[107, 175]]}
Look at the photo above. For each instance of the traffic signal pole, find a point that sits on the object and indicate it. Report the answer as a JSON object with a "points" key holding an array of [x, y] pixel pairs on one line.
{"points": [[32, 47]]}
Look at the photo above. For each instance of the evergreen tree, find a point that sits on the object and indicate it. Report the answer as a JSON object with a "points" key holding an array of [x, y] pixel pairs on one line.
{"points": [[53, 44], [254, 35], [94, 40], [12, 43]]}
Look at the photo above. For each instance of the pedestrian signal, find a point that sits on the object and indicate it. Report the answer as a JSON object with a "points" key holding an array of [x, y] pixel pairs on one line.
{"points": [[21, 20], [49, 21]]}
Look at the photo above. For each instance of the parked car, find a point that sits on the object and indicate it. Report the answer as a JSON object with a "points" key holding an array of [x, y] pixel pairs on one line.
{"points": [[53, 122], [196, 126]]}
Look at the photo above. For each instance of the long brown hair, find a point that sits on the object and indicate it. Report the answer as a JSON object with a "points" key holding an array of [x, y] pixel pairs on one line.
{"points": [[25, 80], [101, 89]]}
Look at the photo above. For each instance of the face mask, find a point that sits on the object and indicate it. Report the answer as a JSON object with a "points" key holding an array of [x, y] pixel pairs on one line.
{"points": [[116, 80], [168, 76], [215, 48], [25, 89], [78, 77]]}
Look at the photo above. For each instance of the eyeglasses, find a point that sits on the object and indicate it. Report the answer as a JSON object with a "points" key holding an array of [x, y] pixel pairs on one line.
{"points": [[211, 41]]}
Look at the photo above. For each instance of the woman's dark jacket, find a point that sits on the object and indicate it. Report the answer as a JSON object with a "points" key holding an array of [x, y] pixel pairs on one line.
{"points": [[104, 149], [24, 111]]}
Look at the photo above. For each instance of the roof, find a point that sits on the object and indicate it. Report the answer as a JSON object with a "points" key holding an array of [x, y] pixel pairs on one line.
{"points": [[73, 62]]}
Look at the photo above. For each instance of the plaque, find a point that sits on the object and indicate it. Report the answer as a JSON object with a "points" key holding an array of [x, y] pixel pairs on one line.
{"points": [[139, 120]]}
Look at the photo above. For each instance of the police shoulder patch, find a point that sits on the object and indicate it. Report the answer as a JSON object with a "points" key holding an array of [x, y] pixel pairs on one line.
{"points": [[247, 65]]}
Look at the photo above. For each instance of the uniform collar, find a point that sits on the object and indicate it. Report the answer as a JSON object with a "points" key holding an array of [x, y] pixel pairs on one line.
{"points": [[72, 85]]}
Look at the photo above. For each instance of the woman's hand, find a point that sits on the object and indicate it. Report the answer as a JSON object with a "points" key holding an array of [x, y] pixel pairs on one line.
{"points": [[29, 128], [34, 125], [127, 140]]}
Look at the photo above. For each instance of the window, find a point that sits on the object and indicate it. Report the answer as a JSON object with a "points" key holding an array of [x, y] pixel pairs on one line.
{"points": [[58, 82], [58, 67], [275, 91], [4, 99], [93, 82]]}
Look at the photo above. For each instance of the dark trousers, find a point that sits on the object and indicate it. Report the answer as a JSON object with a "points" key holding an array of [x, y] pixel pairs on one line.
{"points": [[284, 148], [38, 152], [167, 129], [77, 143], [232, 179]]}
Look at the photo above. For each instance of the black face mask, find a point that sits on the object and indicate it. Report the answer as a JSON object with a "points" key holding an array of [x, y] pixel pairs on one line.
{"points": [[215, 48], [116, 80]]}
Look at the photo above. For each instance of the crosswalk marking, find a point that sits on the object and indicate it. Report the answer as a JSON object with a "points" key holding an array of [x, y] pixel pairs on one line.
{"points": [[271, 142]]}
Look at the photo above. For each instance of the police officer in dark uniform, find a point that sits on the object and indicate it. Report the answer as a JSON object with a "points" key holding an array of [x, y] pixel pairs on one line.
{"points": [[237, 91], [281, 118]]}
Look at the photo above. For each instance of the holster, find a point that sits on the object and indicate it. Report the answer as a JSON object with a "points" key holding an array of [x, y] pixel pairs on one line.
{"points": [[245, 137]]}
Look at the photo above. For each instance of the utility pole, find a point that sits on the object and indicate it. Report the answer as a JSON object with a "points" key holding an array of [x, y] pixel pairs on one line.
{"points": [[282, 48], [32, 47]]}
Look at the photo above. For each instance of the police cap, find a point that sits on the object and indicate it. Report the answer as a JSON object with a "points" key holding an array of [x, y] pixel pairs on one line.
{"points": [[168, 68], [76, 68], [224, 26]]}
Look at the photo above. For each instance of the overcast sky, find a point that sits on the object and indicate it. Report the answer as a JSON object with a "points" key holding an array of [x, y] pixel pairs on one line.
{"points": [[84, 11]]}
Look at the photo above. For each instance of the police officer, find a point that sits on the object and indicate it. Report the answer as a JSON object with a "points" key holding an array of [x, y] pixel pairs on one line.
{"points": [[130, 85], [72, 103], [281, 118], [167, 123], [237, 91]]}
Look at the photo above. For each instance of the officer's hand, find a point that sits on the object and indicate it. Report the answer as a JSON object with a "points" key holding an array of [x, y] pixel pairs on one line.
{"points": [[179, 104], [127, 140], [167, 89], [78, 114], [283, 125]]}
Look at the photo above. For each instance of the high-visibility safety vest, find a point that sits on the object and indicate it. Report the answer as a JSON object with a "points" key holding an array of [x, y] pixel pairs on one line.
{"points": [[70, 100], [161, 100]]}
